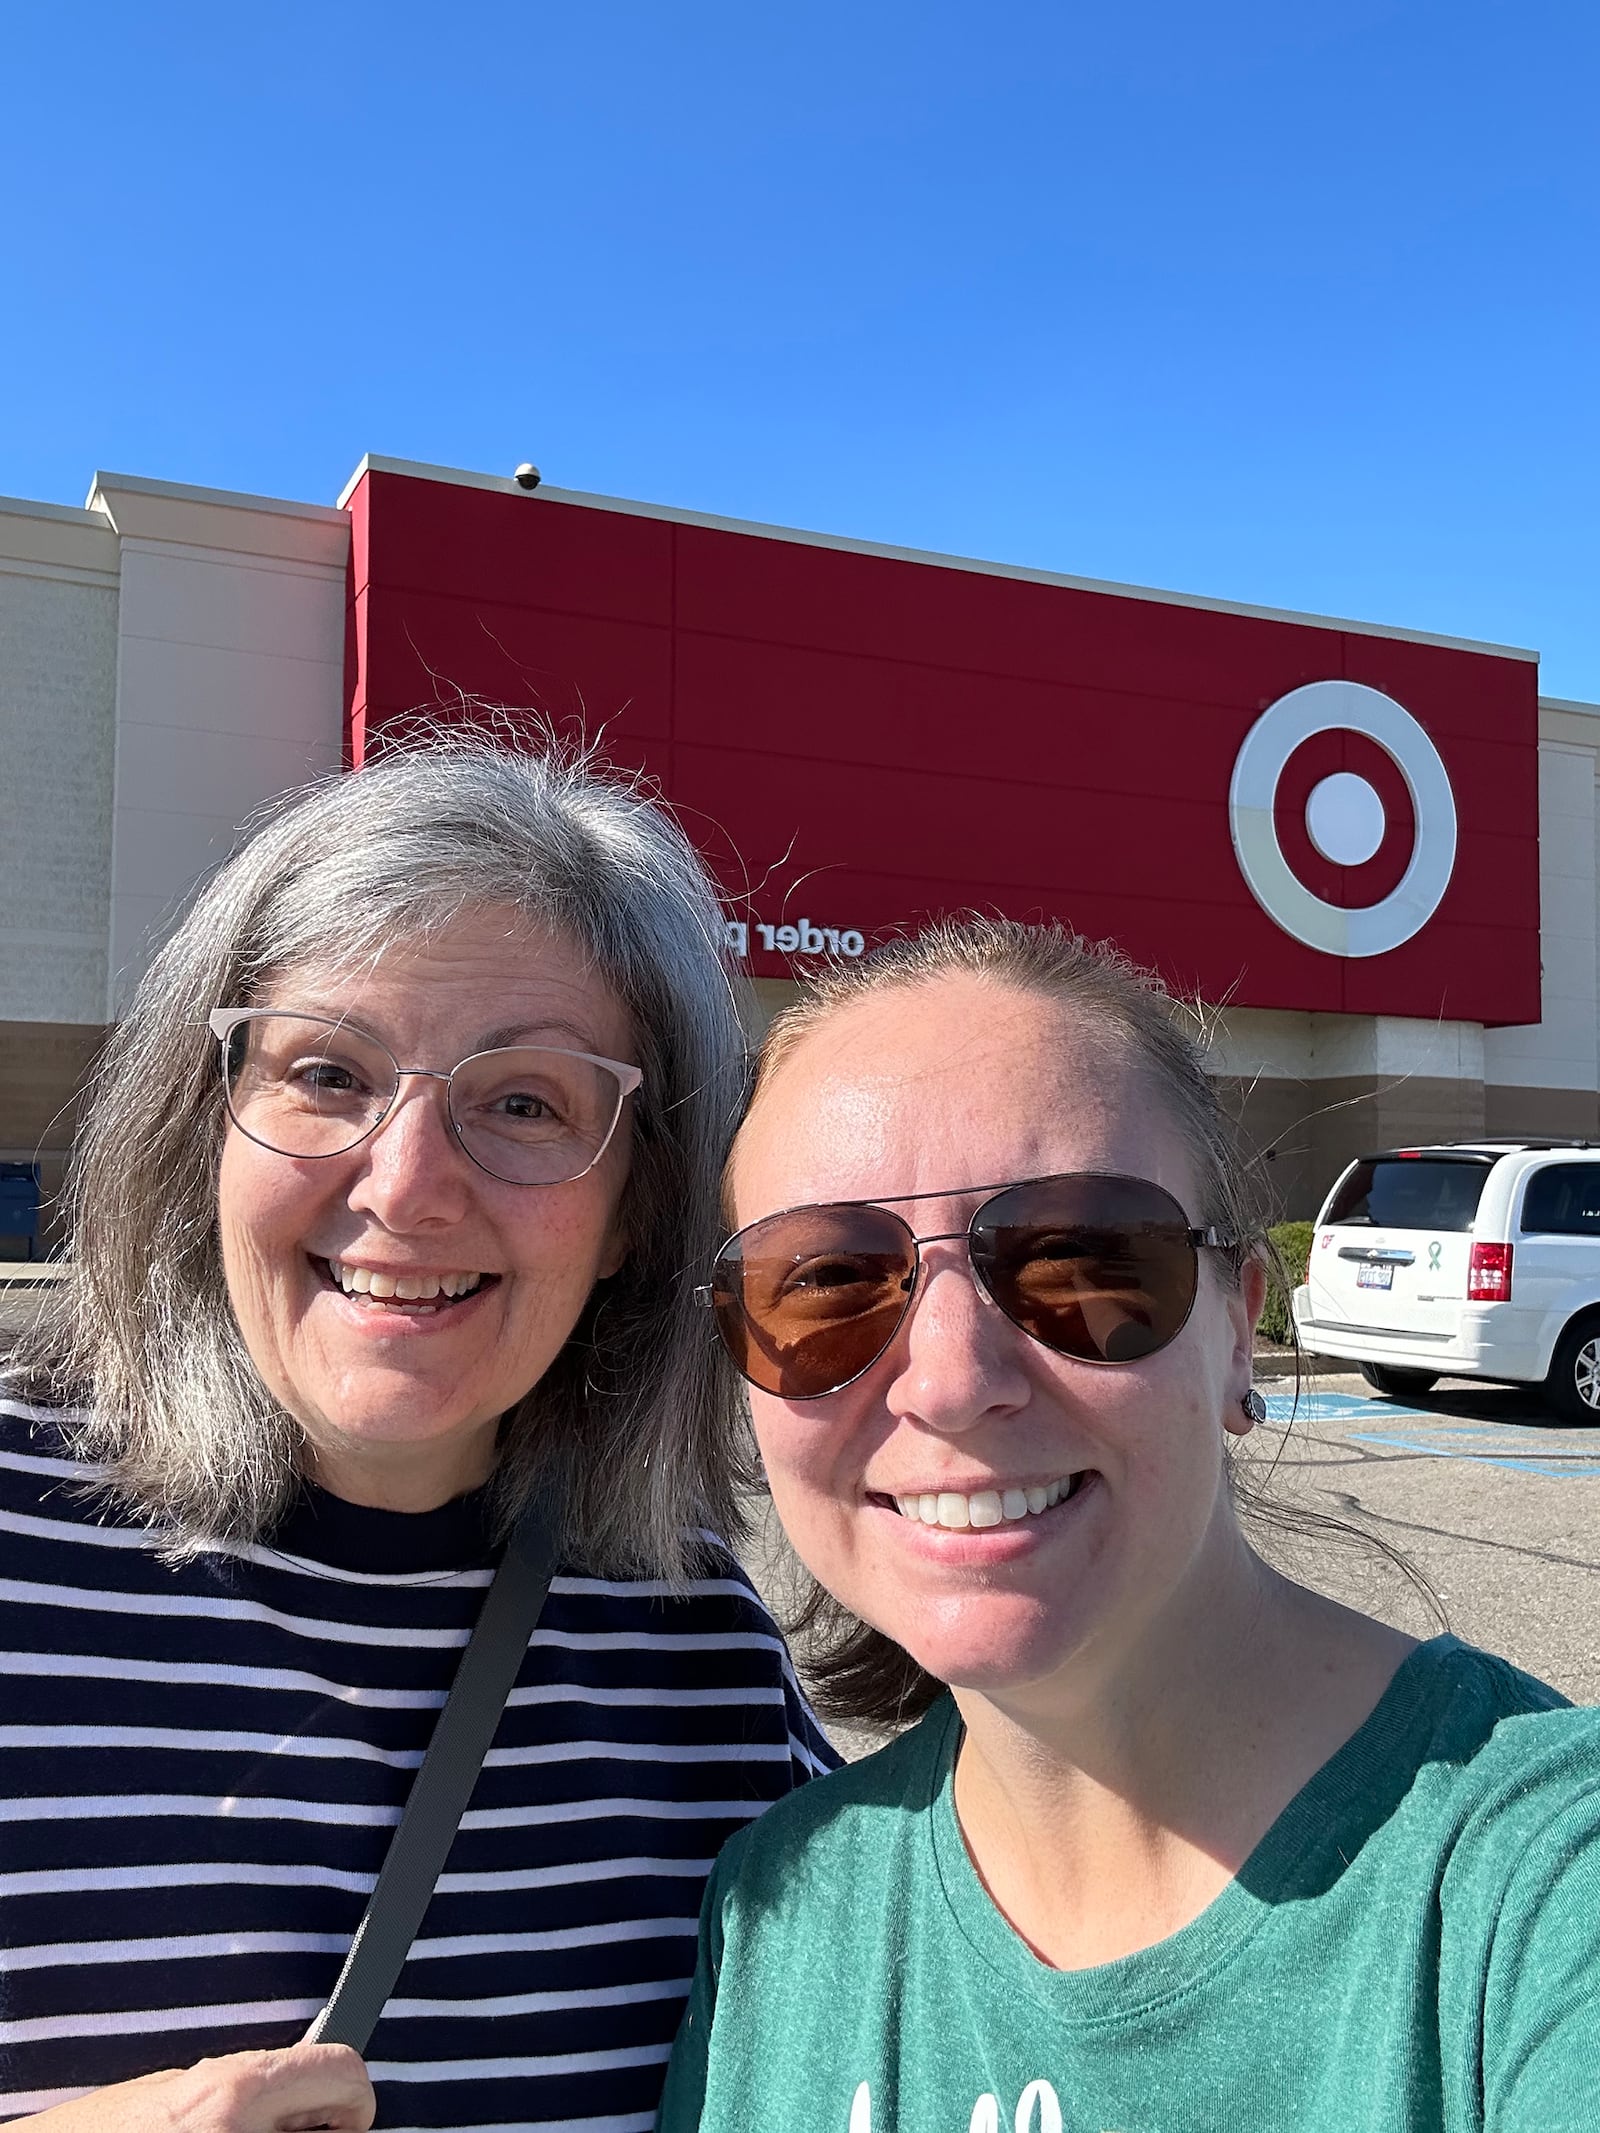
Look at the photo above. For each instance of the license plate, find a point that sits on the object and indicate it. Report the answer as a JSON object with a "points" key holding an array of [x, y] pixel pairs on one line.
{"points": [[1374, 1277]]}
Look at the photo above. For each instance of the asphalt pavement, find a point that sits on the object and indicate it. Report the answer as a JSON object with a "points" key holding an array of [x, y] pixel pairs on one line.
{"points": [[1493, 1502]]}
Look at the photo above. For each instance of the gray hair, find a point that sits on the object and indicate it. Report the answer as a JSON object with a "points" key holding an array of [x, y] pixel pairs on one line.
{"points": [[857, 1673], [635, 1418]]}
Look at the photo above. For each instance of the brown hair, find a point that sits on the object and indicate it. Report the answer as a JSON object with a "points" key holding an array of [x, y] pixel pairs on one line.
{"points": [[857, 1673]]}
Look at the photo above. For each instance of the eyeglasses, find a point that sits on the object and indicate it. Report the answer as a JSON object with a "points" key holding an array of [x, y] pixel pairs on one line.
{"points": [[305, 1086], [1092, 1265]]}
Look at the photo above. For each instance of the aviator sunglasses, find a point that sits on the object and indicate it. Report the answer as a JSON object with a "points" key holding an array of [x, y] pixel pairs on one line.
{"points": [[1090, 1264]]}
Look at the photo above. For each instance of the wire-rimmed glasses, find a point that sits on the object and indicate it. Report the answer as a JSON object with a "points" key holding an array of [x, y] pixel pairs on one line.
{"points": [[1093, 1265], [308, 1086]]}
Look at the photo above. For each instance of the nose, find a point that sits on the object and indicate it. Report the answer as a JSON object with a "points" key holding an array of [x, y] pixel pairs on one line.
{"points": [[957, 1360], [413, 1172]]}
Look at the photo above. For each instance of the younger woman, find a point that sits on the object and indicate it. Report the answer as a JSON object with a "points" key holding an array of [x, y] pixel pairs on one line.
{"points": [[1187, 1846]]}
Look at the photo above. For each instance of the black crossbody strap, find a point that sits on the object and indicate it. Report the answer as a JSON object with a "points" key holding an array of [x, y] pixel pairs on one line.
{"points": [[443, 1785]]}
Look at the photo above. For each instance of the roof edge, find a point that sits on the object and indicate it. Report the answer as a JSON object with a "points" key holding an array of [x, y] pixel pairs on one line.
{"points": [[60, 514], [505, 485], [228, 499]]}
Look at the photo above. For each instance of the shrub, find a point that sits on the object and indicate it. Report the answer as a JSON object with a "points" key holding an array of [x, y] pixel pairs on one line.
{"points": [[1291, 1241]]}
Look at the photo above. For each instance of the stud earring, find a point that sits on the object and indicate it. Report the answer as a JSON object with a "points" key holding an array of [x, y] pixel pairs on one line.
{"points": [[1255, 1408]]}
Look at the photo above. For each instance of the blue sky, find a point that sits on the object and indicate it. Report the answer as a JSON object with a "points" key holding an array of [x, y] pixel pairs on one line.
{"points": [[1288, 304]]}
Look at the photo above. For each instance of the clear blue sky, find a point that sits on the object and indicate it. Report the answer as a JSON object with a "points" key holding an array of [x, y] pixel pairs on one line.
{"points": [[1296, 304]]}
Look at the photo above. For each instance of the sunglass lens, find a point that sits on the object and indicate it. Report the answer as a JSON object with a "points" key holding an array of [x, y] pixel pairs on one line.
{"points": [[807, 1300], [1098, 1268]]}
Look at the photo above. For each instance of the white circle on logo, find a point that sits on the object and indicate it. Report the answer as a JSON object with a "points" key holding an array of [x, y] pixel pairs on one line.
{"points": [[1348, 706], [1345, 819]]}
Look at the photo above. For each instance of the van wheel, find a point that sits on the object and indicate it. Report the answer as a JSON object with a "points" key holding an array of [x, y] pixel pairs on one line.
{"points": [[1572, 1390], [1398, 1384]]}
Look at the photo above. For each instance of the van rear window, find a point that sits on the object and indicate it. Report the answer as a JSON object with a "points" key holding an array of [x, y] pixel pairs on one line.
{"points": [[1410, 1193], [1563, 1200]]}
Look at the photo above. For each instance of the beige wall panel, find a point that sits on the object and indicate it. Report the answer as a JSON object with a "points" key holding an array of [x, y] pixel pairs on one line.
{"points": [[231, 602], [160, 854], [229, 686], [206, 692], [1243, 1042], [206, 768], [1561, 1049], [54, 976], [58, 640]]}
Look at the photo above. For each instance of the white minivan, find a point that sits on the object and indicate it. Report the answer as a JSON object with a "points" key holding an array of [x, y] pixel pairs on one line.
{"points": [[1478, 1259]]}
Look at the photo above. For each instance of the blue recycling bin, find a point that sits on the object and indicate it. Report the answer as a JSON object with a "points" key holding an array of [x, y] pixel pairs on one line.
{"points": [[19, 1208]]}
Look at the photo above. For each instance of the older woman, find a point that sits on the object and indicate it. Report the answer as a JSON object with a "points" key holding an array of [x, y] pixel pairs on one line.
{"points": [[1186, 1846], [380, 1227]]}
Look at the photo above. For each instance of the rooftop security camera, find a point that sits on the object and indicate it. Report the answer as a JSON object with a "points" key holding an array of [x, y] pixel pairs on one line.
{"points": [[527, 475]]}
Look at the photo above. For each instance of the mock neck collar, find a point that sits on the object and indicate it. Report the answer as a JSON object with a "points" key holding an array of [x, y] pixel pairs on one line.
{"points": [[459, 1535]]}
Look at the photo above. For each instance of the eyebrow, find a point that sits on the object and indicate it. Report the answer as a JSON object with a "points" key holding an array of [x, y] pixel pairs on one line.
{"points": [[547, 1029], [513, 1033]]}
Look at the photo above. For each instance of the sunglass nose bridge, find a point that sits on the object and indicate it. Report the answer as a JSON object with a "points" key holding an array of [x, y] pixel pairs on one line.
{"points": [[908, 1282]]}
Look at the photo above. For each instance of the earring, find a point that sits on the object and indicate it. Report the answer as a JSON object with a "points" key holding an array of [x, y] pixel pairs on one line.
{"points": [[1255, 1408]]}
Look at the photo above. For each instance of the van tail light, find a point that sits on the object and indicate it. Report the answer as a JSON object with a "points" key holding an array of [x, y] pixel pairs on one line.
{"points": [[1489, 1274]]}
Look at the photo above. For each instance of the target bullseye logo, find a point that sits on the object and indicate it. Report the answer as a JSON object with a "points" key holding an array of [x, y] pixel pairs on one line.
{"points": [[1345, 818]]}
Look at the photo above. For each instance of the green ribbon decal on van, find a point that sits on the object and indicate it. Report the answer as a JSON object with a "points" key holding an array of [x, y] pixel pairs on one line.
{"points": [[1434, 1250]]}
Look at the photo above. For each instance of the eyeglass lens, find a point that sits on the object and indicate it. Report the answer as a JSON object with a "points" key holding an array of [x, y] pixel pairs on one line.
{"points": [[1099, 1268], [529, 1115]]}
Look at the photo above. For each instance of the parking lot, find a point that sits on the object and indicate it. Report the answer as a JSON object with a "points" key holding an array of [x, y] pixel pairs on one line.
{"points": [[1498, 1507]]}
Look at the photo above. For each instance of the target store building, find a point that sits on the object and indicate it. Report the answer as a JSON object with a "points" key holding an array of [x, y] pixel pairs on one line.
{"points": [[1371, 850]]}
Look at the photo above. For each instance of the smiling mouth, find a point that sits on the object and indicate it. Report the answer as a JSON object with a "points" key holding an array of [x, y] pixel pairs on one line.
{"points": [[414, 1295], [985, 1507]]}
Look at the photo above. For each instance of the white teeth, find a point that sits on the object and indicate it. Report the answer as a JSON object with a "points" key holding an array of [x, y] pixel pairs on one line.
{"points": [[988, 1507], [403, 1288]]}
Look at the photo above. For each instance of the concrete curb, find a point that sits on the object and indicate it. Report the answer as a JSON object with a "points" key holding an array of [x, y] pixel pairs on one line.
{"points": [[1283, 1362]]}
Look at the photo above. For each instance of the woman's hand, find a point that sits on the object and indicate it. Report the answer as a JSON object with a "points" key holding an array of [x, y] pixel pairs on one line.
{"points": [[309, 2088]]}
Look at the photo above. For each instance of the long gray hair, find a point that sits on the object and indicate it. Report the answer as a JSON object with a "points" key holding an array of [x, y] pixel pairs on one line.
{"points": [[635, 1418]]}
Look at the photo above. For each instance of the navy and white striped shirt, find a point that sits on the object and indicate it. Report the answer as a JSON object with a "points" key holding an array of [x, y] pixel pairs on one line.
{"points": [[200, 1769]]}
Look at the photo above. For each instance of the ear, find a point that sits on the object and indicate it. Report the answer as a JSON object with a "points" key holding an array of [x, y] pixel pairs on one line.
{"points": [[618, 1244], [1247, 1301]]}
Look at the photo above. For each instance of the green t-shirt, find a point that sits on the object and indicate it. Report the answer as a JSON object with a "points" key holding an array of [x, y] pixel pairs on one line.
{"points": [[1413, 1947]]}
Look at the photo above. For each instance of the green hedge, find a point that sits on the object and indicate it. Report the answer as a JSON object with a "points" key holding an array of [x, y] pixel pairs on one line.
{"points": [[1292, 1242]]}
